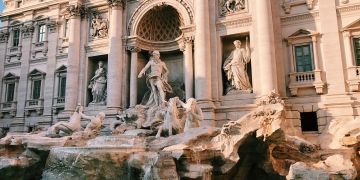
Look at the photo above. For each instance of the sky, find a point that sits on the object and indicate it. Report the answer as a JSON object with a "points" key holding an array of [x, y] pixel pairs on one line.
{"points": [[1, 5]]}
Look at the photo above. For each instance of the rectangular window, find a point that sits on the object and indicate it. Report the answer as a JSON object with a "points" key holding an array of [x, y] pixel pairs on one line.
{"points": [[66, 28], [309, 121], [36, 89], [303, 58], [16, 38], [10, 90], [62, 86], [42, 33], [18, 4], [357, 50]]}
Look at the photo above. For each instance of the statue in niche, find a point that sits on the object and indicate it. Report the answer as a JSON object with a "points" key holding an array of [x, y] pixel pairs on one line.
{"points": [[235, 67], [230, 6], [99, 26], [98, 85], [157, 80]]}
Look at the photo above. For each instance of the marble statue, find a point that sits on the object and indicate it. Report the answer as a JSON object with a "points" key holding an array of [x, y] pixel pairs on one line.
{"points": [[230, 6], [193, 114], [94, 126], [66, 128], [98, 85], [235, 67], [171, 118], [99, 26], [157, 80]]}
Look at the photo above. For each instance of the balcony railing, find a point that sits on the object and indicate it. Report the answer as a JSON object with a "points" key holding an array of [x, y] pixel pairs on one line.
{"points": [[353, 78], [8, 108], [300, 80], [35, 103], [303, 77], [8, 105], [59, 101]]}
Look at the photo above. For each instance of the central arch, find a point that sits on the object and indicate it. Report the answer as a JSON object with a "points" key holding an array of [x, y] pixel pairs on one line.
{"points": [[158, 24]]}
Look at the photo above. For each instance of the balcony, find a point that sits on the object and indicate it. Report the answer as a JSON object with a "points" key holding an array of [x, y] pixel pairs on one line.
{"points": [[311, 79], [353, 78], [8, 108], [36, 105], [58, 104], [13, 54]]}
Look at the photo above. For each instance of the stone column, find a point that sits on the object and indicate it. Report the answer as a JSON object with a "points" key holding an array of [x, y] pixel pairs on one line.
{"points": [[316, 54], [348, 50], [115, 58], [72, 77], [187, 48], [133, 75], [26, 42], [49, 89], [331, 50], [265, 46], [202, 51]]}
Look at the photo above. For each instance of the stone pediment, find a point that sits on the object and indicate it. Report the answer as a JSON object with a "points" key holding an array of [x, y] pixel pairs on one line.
{"points": [[36, 72], [302, 32], [353, 25], [10, 76], [61, 68]]}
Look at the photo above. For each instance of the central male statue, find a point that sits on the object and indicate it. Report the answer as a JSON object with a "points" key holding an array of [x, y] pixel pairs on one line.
{"points": [[156, 80]]}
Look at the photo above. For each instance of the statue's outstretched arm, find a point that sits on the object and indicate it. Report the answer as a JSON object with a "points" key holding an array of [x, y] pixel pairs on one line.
{"points": [[142, 72]]}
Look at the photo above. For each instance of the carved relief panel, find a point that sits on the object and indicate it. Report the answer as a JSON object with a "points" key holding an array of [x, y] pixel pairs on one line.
{"points": [[228, 7], [99, 24]]}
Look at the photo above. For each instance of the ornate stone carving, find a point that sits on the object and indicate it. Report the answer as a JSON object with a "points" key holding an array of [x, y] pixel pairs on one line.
{"points": [[144, 4], [271, 98], [98, 85], [4, 35], [288, 4], [133, 48], [235, 67], [66, 128], [171, 118], [193, 114], [231, 6], [52, 25], [76, 10], [99, 26], [156, 80], [93, 128], [27, 30], [184, 41], [116, 3]]}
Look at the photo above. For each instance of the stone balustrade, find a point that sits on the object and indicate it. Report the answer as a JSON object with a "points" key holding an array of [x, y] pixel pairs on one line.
{"points": [[306, 80]]}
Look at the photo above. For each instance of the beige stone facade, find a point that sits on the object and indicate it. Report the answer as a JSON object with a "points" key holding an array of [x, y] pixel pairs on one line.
{"points": [[307, 50]]}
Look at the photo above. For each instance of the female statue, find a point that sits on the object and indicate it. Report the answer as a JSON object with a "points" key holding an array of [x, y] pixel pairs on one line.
{"points": [[235, 66], [98, 84]]}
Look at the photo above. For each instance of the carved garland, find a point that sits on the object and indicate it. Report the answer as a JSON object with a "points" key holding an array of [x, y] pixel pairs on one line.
{"points": [[143, 4]]}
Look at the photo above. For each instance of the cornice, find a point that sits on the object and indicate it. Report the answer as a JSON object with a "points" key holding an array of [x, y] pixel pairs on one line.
{"points": [[295, 19], [234, 23], [40, 5]]}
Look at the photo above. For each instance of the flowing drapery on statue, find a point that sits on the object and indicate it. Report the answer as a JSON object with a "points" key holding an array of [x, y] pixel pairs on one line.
{"points": [[98, 85], [235, 67], [156, 80]]}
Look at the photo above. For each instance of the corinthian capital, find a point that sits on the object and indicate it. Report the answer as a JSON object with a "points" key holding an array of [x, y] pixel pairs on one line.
{"points": [[76, 10], [116, 3]]}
